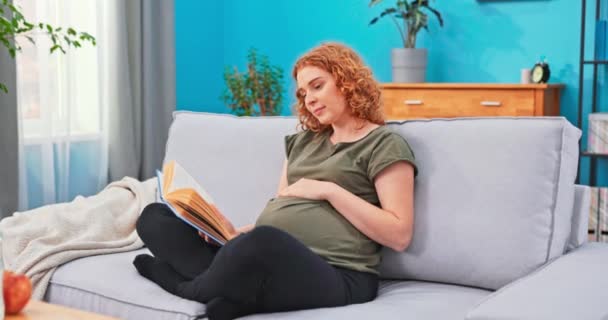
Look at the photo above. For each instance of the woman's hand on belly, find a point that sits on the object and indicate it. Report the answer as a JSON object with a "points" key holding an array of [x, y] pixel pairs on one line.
{"points": [[308, 189]]}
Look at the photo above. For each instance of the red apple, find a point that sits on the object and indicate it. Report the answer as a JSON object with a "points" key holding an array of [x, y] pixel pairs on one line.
{"points": [[17, 290]]}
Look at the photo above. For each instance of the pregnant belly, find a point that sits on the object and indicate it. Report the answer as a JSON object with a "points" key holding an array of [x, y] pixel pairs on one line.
{"points": [[315, 223]]}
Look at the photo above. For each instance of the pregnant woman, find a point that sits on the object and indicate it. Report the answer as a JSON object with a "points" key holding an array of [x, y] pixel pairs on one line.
{"points": [[346, 190]]}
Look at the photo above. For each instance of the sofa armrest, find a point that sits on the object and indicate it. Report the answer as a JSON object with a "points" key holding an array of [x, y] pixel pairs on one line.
{"points": [[570, 287], [580, 217]]}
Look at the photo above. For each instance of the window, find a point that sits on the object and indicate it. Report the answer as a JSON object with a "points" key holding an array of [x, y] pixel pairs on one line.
{"points": [[58, 93], [64, 147]]}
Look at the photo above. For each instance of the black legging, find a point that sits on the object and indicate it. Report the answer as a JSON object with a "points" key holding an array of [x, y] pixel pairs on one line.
{"points": [[264, 270]]}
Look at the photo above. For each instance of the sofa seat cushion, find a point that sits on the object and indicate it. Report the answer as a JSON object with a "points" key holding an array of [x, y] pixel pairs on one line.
{"points": [[573, 286], [110, 285], [398, 300]]}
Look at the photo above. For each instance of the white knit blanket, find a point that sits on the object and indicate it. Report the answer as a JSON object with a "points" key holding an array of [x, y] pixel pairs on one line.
{"points": [[36, 242]]}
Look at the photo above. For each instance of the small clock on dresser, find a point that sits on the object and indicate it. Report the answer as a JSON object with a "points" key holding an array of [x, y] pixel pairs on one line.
{"points": [[540, 73]]}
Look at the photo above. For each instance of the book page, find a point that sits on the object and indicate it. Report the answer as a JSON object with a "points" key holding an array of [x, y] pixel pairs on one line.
{"points": [[191, 203], [194, 220], [190, 200], [183, 180]]}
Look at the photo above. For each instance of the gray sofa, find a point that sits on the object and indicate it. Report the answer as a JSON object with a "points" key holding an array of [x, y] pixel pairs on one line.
{"points": [[500, 227]]}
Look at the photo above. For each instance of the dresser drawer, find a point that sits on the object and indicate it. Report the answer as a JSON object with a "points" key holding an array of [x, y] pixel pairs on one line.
{"points": [[403, 103]]}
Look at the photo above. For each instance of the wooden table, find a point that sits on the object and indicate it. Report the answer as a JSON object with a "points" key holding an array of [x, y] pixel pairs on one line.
{"points": [[37, 310]]}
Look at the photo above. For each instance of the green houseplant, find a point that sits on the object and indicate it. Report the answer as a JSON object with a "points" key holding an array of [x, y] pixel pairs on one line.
{"points": [[409, 62], [257, 91], [13, 25]]}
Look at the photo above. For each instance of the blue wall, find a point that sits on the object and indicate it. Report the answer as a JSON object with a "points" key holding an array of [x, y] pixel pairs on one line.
{"points": [[199, 54], [482, 41]]}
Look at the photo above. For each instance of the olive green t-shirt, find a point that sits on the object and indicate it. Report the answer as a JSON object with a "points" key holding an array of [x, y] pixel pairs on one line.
{"points": [[351, 165]]}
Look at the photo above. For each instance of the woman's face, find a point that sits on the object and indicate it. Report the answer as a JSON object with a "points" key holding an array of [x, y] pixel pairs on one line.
{"points": [[321, 96]]}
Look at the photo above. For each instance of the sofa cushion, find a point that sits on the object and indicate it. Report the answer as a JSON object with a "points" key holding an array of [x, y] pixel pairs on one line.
{"points": [[493, 201], [398, 300], [110, 285], [570, 287]]}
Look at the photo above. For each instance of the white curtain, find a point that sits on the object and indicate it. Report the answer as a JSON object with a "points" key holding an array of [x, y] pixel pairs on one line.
{"points": [[96, 113], [63, 120]]}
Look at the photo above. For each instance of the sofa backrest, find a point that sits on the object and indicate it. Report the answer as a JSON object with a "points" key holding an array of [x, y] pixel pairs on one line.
{"points": [[494, 196], [237, 160]]}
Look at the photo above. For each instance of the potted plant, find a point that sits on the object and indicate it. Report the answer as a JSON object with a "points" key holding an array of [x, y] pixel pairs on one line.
{"points": [[258, 91], [409, 63], [16, 25]]}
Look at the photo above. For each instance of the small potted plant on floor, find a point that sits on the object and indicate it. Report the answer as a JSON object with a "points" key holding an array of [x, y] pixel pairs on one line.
{"points": [[409, 63]]}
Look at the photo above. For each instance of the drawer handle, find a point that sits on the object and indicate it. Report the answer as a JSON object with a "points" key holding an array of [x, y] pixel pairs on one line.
{"points": [[491, 103], [413, 102]]}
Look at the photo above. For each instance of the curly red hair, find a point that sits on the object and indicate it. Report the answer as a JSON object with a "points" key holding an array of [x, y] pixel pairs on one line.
{"points": [[353, 78]]}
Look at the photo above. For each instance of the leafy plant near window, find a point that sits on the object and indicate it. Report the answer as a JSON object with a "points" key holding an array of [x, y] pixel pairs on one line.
{"points": [[17, 26], [413, 18], [258, 91]]}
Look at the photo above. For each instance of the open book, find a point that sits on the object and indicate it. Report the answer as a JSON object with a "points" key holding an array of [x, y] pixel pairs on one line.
{"points": [[191, 203]]}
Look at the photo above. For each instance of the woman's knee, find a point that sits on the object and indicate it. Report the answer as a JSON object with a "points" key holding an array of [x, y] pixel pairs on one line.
{"points": [[266, 242], [149, 217], [267, 234]]}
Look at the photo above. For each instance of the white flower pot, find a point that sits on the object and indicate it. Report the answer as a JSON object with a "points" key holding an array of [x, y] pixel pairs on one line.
{"points": [[409, 65]]}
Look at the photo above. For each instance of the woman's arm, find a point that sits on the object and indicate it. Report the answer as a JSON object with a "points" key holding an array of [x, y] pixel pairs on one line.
{"points": [[391, 225], [283, 179]]}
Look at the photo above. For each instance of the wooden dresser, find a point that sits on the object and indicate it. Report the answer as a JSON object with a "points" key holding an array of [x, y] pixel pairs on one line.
{"points": [[448, 100]]}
